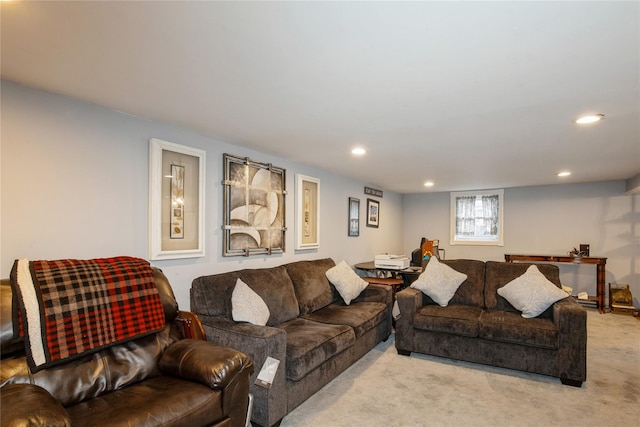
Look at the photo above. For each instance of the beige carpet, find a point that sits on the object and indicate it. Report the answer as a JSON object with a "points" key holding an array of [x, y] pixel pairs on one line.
{"points": [[385, 389]]}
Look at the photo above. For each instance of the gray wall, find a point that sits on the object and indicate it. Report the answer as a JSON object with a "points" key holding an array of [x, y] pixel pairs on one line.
{"points": [[548, 220], [74, 184]]}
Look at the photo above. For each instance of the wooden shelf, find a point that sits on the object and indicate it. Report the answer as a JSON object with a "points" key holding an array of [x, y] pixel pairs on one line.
{"points": [[599, 262], [592, 302]]}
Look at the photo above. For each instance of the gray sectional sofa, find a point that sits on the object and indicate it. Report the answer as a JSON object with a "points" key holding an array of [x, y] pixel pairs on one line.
{"points": [[310, 330], [478, 325]]}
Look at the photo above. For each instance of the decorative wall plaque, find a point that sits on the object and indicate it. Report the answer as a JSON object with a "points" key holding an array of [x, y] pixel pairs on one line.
{"points": [[254, 207], [373, 192]]}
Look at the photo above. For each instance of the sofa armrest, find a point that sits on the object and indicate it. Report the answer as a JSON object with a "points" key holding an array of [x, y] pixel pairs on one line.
{"points": [[190, 325], [204, 362], [257, 342], [23, 405], [376, 293], [570, 319], [409, 302]]}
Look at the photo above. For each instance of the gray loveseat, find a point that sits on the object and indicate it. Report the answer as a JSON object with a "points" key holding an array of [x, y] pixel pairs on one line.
{"points": [[311, 331], [478, 325]]}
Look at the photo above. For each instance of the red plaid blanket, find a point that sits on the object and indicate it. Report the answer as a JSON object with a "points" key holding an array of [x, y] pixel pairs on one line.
{"points": [[74, 307]]}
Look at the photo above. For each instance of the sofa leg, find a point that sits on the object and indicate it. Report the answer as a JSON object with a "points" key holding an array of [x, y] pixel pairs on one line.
{"points": [[277, 424], [403, 352], [572, 383]]}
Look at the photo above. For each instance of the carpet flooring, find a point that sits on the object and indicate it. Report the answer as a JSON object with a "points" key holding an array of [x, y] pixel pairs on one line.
{"points": [[386, 389]]}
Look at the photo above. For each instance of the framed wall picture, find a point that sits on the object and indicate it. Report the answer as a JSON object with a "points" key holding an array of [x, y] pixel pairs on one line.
{"points": [[176, 200], [253, 207], [373, 213], [307, 212], [354, 217]]}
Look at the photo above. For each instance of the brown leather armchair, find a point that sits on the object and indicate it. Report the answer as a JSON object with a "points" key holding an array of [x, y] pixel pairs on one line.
{"points": [[171, 378]]}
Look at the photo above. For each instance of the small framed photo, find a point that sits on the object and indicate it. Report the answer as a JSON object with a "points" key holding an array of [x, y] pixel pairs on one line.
{"points": [[354, 217], [176, 201], [307, 212], [373, 213]]}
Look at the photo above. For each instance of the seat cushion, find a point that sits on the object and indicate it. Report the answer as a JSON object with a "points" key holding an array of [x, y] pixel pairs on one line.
{"points": [[361, 316], [453, 319], [309, 344], [511, 327], [160, 400]]}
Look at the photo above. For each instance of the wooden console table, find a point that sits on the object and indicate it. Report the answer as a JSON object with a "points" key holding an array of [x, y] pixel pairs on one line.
{"points": [[599, 262]]}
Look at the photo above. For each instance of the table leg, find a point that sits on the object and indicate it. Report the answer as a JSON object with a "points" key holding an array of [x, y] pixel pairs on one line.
{"points": [[600, 286]]}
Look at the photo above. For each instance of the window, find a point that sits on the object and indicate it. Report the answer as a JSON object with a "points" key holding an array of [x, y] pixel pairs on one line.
{"points": [[476, 218]]}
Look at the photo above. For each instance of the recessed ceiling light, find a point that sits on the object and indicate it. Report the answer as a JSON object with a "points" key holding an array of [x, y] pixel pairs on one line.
{"points": [[589, 118], [564, 173], [358, 151], [428, 184]]}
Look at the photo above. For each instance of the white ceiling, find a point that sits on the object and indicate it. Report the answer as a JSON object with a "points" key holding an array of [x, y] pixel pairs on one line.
{"points": [[471, 95]]}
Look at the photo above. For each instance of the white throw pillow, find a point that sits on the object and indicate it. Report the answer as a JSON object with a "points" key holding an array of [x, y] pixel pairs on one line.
{"points": [[247, 306], [532, 293], [346, 281], [439, 281]]}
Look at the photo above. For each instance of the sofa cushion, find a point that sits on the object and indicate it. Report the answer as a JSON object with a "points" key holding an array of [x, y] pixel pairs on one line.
{"points": [[510, 327], [439, 282], [453, 319], [471, 291], [531, 293], [247, 306], [211, 295], [346, 281], [310, 344], [361, 316], [310, 283], [499, 274], [276, 289]]}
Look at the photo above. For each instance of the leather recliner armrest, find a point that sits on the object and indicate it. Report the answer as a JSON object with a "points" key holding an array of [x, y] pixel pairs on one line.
{"points": [[190, 325], [25, 405], [204, 362]]}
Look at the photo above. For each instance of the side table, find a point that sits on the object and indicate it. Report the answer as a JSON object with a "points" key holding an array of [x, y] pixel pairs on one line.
{"points": [[395, 283]]}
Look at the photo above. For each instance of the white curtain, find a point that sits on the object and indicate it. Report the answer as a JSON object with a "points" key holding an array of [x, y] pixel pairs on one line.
{"points": [[465, 215], [490, 214]]}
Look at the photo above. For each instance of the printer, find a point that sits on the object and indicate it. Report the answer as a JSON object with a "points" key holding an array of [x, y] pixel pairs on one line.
{"points": [[391, 262]]}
